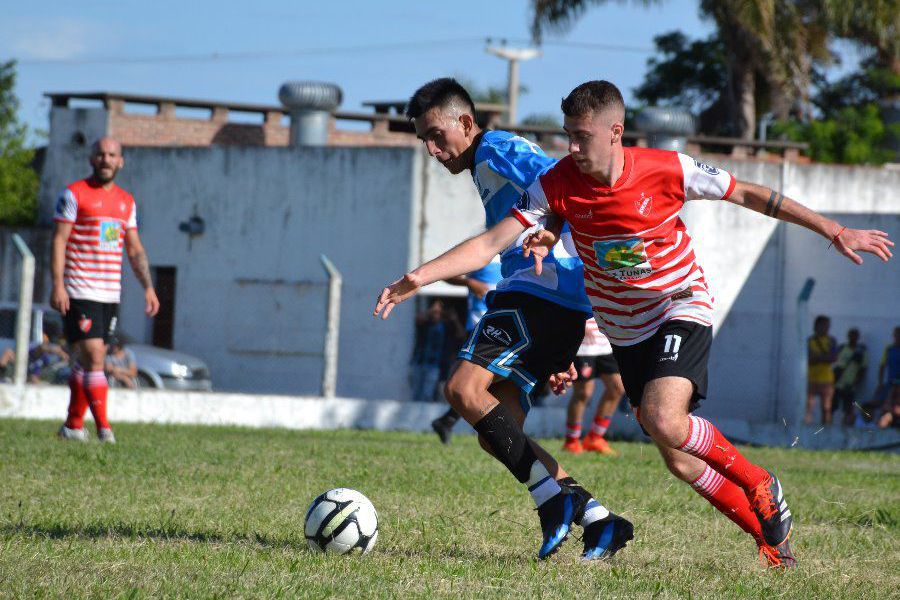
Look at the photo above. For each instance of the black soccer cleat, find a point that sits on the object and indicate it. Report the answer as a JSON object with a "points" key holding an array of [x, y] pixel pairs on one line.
{"points": [[443, 429], [768, 502], [556, 515], [606, 536], [777, 557]]}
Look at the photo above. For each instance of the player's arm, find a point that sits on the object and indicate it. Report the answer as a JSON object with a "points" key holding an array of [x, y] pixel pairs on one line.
{"points": [[847, 241], [137, 256], [59, 298], [472, 254]]}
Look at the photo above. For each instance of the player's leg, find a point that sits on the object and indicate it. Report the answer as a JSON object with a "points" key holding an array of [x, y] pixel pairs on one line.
{"points": [[93, 361], [676, 362], [77, 324], [613, 390], [443, 425], [582, 390]]}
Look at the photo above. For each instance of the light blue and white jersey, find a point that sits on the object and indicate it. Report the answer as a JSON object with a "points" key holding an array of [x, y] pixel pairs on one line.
{"points": [[505, 166]]}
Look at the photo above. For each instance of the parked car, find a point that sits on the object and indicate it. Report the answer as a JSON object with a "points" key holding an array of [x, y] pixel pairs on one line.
{"points": [[157, 367]]}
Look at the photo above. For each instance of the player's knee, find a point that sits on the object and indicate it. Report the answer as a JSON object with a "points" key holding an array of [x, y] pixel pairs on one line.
{"points": [[459, 392], [663, 427]]}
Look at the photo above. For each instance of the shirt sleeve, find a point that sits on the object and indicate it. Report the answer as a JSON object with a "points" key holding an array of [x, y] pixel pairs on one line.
{"points": [[705, 182], [132, 218], [516, 160], [66, 207], [533, 206]]}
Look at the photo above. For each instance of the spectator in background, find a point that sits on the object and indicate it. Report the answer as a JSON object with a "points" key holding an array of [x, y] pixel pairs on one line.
{"points": [[7, 365], [431, 330], [889, 379], [121, 366], [45, 360], [479, 283], [821, 352], [849, 371]]}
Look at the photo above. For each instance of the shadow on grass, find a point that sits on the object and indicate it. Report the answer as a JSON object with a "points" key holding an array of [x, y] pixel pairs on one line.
{"points": [[130, 531]]}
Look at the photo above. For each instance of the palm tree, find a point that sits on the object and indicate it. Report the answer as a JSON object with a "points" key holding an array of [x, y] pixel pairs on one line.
{"points": [[772, 40], [873, 23]]}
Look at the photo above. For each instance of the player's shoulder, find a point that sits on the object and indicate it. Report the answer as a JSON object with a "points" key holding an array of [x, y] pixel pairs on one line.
{"points": [[506, 144], [78, 187], [654, 158]]}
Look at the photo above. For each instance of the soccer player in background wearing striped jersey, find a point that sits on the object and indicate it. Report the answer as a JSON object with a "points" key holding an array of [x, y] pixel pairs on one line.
{"points": [[533, 326], [94, 219], [648, 293]]}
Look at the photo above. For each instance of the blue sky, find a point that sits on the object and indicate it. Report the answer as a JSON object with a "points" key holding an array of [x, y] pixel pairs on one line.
{"points": [[341, 41]]}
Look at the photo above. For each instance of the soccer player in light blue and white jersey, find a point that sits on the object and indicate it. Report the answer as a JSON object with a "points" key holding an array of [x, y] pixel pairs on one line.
{"points": [[532, 329]]}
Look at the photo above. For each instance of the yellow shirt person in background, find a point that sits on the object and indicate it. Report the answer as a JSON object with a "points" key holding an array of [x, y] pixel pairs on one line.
{"points": [[821, 351]]}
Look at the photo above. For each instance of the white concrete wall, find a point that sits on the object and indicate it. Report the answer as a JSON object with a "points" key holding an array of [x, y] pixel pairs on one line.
{"points": [[250, 291]]}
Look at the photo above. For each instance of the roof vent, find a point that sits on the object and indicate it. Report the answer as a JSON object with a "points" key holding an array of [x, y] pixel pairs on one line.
{"points": [[667, 127], [310, 104]]}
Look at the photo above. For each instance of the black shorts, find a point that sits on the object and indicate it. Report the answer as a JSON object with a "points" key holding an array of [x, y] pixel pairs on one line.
{"points": [[592, 367], [525, 339], [678, 349], [87, 319]]}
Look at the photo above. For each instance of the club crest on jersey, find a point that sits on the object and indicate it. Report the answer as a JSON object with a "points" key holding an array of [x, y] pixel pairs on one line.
{"points": [[710, 170], [84, 324], [644, 204], [623, 259]]}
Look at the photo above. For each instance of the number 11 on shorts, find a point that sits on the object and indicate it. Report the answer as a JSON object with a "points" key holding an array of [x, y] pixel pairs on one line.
{"points": [[673, 343]]}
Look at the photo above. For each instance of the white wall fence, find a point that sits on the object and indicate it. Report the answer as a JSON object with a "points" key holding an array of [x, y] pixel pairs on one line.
{"points": [[310, 412]]}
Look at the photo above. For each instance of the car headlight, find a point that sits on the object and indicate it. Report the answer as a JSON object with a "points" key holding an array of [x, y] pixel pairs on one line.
{"points": [[180, 370]]}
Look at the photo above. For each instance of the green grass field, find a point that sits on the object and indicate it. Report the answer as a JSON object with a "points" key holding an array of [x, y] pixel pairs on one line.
{"points": [[217, 512]]}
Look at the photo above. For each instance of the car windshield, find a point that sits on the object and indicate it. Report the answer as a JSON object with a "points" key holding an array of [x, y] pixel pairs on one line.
{"points": [[7, 323]]}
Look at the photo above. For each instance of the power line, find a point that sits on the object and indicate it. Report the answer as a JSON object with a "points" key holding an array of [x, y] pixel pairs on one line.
{"points": [[335, 50]]}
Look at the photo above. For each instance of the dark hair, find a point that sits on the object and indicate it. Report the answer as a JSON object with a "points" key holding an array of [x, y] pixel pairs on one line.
{"points": [[822, 319], [592, 96], [439, 92]]}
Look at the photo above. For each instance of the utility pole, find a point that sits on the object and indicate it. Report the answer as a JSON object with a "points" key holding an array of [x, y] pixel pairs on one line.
{"points": [[513, 55]]}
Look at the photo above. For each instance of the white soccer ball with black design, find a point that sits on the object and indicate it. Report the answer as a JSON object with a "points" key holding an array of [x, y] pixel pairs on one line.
{"points": [[341, 521]]}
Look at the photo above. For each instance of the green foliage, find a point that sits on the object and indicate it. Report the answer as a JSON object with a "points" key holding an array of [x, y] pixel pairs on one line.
{"points": [[691, 74], [851, 129], [18, 180]]}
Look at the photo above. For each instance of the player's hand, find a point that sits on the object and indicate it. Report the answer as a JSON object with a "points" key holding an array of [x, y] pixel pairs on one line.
{"points": [[851, 241], [394, 294], [59, 300], [539, 244], [151, 301], [479, 288], [560, 381]]}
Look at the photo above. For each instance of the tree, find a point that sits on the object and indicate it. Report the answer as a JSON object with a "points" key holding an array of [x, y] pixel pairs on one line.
{"points": [[872, 23], [775, 39], [18, 180]]}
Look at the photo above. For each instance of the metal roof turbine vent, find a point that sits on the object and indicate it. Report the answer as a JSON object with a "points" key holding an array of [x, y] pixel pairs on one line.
{"points": [[666, 127], [310, 104]]}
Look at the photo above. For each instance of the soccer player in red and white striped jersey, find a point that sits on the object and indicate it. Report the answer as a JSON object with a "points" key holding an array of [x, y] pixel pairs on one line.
{"points": [[651, 298], [95, 219]]}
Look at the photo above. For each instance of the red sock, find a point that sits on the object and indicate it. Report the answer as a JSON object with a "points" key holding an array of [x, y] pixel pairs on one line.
{"points": [[706, 442], [599, 426], [729, 499], [96, 386], [78, 403], [573, 431]]}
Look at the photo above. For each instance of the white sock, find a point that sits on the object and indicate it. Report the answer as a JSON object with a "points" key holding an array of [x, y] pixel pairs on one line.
{"points": [[593, 511], [540, 484]]}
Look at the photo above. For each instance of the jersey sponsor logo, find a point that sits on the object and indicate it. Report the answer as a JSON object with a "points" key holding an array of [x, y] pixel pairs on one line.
{"points": [[644, 204], [109, 235], [498, 335], [623, 259], [706, 168]]}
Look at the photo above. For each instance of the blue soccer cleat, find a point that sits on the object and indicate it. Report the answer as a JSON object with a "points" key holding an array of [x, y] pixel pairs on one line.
{"points": [[606, 536], [556, 515]]}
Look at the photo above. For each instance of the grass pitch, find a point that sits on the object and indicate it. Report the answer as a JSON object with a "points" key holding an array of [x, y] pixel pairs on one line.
{"points": [[176, 511]]}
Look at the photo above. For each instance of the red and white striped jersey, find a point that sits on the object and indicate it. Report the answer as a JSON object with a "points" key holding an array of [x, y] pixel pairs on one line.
{"points": [[594, 342], [639, 266], [93, 269]]}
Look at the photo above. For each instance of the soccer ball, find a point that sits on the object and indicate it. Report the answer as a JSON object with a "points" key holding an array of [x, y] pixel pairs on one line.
{"points": [[341, 521]]}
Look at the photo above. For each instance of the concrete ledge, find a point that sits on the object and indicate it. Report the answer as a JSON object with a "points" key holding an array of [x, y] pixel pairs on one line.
{"points": [[309, 412]]}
